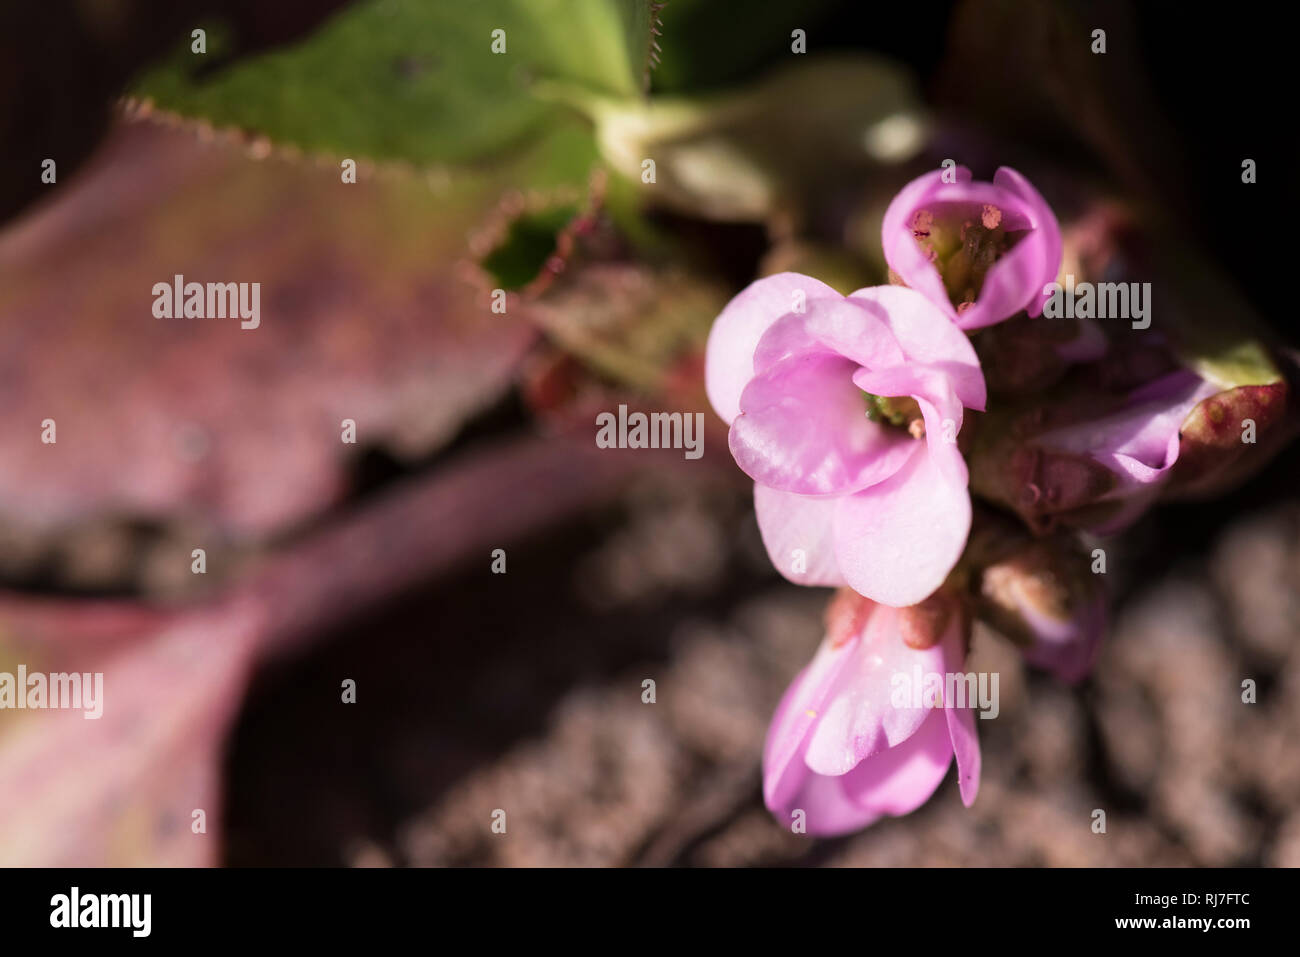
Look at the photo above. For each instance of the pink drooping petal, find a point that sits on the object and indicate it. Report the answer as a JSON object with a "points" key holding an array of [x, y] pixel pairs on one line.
{"points": [[784, 770], [828, 810], [729, 356], [927, 335], [897, 541], [798, 533], [803, 428], [963, 740], [900, 780], [851, 743], [960, 722], [861, 717]]}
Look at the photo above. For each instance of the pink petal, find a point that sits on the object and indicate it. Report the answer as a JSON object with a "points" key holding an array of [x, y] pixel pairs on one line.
{"points": [[828, 810], [839, 326], [791, 523], [803, 428], [927, 335], [1047, 231], [1017, 279], [900, 780], [901, 251], [963, 740], [786, 338], [784, 769], [960, 722], [729, 356], [856, 330], [1140, 442], [940, 409], [897, 541], [858, 718], [1014, 282], [941, 428]]}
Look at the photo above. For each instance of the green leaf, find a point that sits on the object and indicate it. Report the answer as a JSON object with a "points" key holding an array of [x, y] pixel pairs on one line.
{"points": [[413, 80]]}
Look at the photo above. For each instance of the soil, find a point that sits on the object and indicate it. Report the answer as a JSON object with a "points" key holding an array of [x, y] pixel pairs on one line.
{"points": [[524, 692]]}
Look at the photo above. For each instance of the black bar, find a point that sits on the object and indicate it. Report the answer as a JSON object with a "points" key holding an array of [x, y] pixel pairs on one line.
{"points": [[470, 908]]}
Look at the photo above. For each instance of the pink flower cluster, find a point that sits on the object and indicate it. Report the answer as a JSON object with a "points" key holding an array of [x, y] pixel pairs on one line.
{"points": [[846, 411]]}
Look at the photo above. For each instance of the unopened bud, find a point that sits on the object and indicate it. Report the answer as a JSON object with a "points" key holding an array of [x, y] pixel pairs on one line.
{"points": [[1043, 597], [1086, 459], [1229, 436]]}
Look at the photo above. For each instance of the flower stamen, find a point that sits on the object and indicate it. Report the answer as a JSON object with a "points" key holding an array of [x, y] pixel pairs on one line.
{"points": [[901, 412], [963, 245]]}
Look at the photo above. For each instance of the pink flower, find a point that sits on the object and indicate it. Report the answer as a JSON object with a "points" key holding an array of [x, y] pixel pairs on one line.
{"points": [[828, 398], [981, 252], [847, 745]]}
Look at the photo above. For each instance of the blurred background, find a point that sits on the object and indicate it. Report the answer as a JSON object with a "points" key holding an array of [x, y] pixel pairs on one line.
{"points": [[329, 561]]}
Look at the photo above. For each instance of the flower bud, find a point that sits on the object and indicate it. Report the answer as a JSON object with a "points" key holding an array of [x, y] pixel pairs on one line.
{"points": [[1087, 460], [1229, 436], [1043, 596]]}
